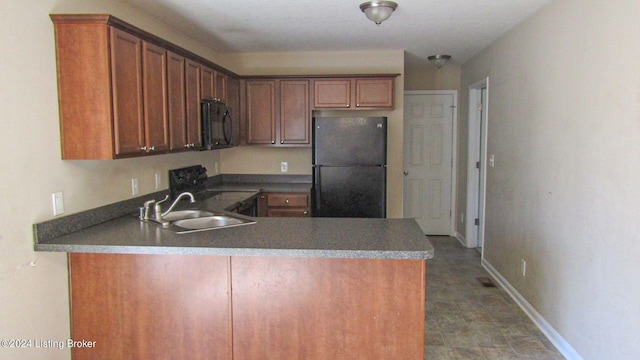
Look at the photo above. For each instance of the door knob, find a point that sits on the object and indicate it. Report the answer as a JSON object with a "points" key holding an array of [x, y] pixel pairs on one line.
{"points": [[406, 173]]}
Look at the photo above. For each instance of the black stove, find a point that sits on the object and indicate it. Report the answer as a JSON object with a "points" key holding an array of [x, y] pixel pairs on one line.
{"points": [[192, 179]]}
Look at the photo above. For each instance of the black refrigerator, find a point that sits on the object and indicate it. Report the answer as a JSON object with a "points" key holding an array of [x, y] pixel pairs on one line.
{"points": [[349, 167]]}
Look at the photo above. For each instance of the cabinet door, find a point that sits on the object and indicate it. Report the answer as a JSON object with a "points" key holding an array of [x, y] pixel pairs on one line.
{"points": [[374, 93], [221, 86], [126, 75], [154, 78], [332, 93], [192, 90], [261, 112], [208, 83], [177, 106], [295, 123]]}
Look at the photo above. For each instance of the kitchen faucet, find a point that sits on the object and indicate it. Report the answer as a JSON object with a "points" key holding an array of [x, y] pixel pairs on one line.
{"points": [[157, 208]]}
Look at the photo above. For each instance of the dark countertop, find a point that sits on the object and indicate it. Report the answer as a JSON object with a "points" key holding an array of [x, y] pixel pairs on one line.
{"points": [[94, 232], [291, 237]]}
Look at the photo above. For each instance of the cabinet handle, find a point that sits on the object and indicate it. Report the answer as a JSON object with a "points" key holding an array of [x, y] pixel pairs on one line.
{"points": [[348, 105], [286, 201], [153, 148], [306, 213], [273, 141], [357, 105], [144, 148], [281, 141]]}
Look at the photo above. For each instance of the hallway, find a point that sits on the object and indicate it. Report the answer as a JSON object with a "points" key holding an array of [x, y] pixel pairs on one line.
{"points": [[465, 320]]}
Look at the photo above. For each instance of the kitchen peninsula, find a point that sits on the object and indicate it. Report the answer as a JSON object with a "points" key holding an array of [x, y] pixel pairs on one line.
{"points": [[282, 288]]}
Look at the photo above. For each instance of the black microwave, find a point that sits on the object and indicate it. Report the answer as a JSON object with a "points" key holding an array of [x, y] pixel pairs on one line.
{"points": [[216, 125]]}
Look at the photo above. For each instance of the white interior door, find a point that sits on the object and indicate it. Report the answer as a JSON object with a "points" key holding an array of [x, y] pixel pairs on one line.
{"points": [[428, 160]]}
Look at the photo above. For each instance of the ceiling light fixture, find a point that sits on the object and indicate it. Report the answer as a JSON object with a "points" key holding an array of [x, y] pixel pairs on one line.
{"points": [[378, 11], [439, 60]]}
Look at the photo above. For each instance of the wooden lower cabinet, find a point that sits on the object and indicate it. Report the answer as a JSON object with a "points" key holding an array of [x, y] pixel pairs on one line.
{"points": [[182, 307], [284, 205]]}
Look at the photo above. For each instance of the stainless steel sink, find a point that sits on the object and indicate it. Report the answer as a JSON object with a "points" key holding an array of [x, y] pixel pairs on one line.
{"points": [[208, 222], [186, 221], [186, 214]]}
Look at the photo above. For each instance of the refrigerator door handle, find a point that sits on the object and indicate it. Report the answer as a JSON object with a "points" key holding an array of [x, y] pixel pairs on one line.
{"points": [[317, 189]]}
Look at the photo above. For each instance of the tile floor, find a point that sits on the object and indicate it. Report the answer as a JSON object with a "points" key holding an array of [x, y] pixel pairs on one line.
{"points": [[465, 320]]}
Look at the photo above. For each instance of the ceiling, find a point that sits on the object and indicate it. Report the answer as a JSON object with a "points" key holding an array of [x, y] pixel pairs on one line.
{"points": [[460, 28]]}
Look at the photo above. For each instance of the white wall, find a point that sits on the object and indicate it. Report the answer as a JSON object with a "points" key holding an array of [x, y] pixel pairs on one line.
{"points": [[33, 286], [564, 125]]}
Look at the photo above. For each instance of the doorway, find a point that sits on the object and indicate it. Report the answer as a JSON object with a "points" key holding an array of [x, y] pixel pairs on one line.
{"points": [[429, 153], [477, 165]]}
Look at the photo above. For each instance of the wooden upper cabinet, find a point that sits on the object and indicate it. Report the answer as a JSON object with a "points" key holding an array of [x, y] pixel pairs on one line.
{"points": [[156, 117], [374, 93], [261, 112], [192, 95], [354, 93], [295, 113], [126, 75], [208, 83], [278, 112], [176, 78], [332, 93], [221, 86]]}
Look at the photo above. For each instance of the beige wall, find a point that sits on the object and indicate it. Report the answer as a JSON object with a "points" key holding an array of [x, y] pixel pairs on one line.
{"points": [[564, 125], [33, 286], [266, 160], [427, 77]]}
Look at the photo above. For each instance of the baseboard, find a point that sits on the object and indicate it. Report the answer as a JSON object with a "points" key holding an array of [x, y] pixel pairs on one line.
{"points": [[556, 339]]}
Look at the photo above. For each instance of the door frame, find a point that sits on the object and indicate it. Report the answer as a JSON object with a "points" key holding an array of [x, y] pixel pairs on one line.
{"points": [[454, 149], [477, 151]]}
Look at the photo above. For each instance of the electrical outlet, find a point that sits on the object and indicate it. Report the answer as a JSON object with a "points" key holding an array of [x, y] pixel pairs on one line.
{"points": [[284, 166], [58, 203], [134, 186], [158, 181], [524, 268]]}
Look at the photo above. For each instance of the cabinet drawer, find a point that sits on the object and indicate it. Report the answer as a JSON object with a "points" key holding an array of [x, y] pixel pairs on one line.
{"points": [[288, 213], [287, 200]]}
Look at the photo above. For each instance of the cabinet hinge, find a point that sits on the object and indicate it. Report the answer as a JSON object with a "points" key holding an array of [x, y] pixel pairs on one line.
{"points": [[476, 221], [480, 107], [477, 164]]}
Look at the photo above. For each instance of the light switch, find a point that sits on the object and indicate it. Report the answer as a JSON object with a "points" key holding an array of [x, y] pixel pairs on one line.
{"points": [[58, 203]]}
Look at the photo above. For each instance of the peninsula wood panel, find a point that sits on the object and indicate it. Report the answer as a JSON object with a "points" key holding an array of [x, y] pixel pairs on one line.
{"points": [[150, 306], [310, 308]]}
